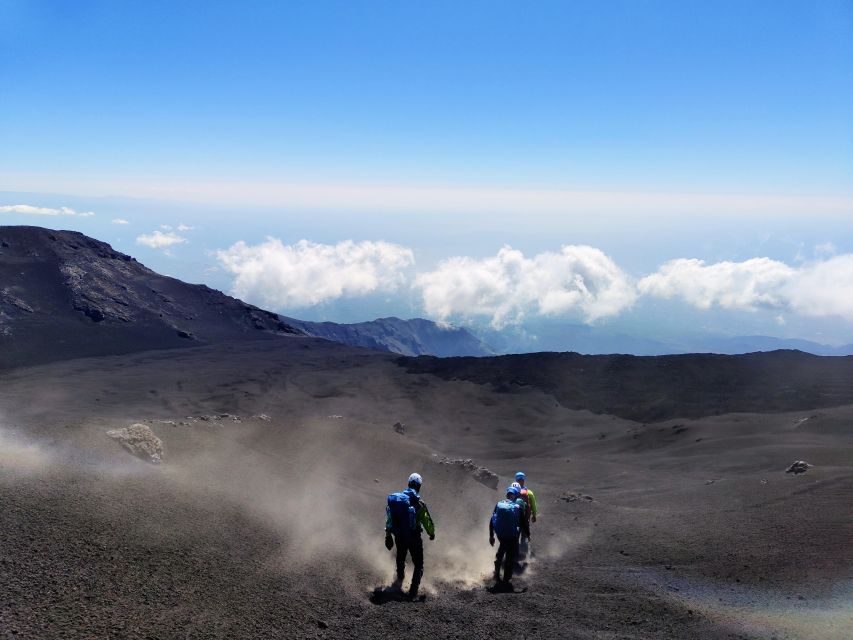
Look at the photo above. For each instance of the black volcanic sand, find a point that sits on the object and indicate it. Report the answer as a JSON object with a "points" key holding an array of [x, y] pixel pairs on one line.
{"points": [[683, 528]]}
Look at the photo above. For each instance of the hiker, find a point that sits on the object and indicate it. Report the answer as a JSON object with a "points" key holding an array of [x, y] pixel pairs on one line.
{"points": [[506, 523], [527, 495], [406, 516], [525, 513]]}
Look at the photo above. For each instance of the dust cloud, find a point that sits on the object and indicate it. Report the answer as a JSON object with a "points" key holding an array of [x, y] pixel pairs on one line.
{"points": [[17, 455]]}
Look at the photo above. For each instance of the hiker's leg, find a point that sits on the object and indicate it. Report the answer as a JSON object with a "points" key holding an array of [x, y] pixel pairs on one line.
{"points": [[499, 556], [511, 556], [402, 545], [417, 550]]}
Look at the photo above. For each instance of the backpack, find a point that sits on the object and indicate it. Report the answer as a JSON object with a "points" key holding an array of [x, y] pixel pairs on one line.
{"points": [[402, 513], [526, 499], [505, 520]]}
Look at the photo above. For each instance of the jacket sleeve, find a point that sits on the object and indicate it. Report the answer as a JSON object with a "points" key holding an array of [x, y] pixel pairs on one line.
{"points": [[492, 523], [532, 497], [425, 519], [388, 526]]}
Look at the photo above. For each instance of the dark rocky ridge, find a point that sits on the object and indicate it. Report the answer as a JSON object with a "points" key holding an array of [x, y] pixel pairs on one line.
{"points": [[413, 337], [653, 388], [65, 295]]}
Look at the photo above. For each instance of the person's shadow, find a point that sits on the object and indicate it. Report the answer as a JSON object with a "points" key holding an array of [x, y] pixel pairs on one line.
{"points": [[384, 595], [504, 587]]}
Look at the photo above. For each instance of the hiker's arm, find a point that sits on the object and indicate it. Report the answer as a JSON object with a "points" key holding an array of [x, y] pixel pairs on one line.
{"points": [[388, 525], [426, 521], [533, 510]]}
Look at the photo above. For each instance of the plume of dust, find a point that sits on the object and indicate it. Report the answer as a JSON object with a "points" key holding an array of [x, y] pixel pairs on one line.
{"points": [[19, 455], [314, 487]]}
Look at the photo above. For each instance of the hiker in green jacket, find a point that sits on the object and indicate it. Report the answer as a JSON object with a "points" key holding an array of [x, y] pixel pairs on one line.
{"points": [[406, 516], [527, 495]]}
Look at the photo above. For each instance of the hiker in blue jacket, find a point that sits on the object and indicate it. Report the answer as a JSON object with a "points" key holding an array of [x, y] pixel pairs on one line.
{"points": [[406, 516], [507, 522]]}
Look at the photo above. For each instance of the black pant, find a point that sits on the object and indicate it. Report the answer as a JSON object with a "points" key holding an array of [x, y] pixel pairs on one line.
{"points": [[507, 553], [414, 545]]}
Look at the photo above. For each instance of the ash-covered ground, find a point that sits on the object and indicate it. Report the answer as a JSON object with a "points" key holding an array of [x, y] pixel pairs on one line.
{"points": [[265, 517]]}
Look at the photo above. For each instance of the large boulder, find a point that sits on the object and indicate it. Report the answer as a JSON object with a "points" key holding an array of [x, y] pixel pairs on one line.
{"points": [[798, 466], [139, 440]]}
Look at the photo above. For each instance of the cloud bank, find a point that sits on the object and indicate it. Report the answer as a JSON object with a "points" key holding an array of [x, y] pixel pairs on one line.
{"points": [[160, 240], [817, 289], [579, 282], [30, 210], [576, 280], [306, 273]]}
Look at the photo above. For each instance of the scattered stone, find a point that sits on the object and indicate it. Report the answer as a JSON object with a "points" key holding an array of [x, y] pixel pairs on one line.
{"points": [[574, 497], [214, 418], [322, 624], [139, 440], [400, 428], [481, 474], [798, 466], [261, 416], [335, 416]]}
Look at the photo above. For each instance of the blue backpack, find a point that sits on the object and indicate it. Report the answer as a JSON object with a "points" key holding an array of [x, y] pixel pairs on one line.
{"points": [[401, 512], [505, 520]]}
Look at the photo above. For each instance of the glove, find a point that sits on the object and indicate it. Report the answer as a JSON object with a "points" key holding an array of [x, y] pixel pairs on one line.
{"points": [[389, 541], [492, 540], [432, 536], [534, 517]]}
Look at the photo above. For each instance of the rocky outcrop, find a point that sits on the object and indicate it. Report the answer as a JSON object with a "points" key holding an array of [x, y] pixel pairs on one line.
{"points": [[139, 440], [798, 466], [480, 474]]}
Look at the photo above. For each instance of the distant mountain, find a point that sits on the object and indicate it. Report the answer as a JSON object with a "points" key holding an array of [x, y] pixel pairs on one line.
{"points": [[65, 295], [751, 344], [407, 337], [597, 340]]}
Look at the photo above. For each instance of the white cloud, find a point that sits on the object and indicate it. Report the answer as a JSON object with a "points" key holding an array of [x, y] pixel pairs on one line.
{"points": [[732, 285], [166, 227], [506, 287], [820, 288], [119, 221], [185, 227], [160, 240], [284, 276], [28, 209]]}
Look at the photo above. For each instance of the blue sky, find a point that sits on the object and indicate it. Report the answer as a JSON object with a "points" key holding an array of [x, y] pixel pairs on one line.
{"points": [[651, 131]]}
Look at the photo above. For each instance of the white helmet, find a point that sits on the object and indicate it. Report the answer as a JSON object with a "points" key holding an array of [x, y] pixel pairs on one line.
{"points": [[415, 478], [516, 485]]}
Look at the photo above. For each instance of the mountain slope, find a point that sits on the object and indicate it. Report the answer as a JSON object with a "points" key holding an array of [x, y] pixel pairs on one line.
{"points": [[407, 337], [65, 295]]}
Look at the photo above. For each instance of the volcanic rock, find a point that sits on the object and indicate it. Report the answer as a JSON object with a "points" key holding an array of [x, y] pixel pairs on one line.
{"points": [[798, 466], [139, 440]]}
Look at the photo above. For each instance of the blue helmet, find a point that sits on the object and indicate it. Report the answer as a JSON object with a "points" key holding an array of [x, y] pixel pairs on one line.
{"points": [[520, 475], [512, 491]]}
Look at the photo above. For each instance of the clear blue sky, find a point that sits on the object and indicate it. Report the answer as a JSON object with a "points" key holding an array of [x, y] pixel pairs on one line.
{"points": [[239, 118]]}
